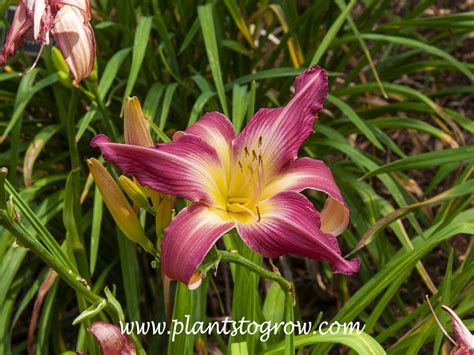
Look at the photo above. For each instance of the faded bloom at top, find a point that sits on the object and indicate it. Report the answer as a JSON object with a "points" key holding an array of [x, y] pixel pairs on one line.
{"points": [[66, 20], [251, 182]]}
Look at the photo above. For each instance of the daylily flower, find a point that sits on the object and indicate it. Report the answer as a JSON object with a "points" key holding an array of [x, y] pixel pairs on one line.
{"points": [[111, 339], [66, 20], [251, 182]]}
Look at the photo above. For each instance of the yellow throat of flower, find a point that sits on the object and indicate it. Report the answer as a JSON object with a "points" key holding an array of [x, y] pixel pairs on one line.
{"points": [[246, 186]]}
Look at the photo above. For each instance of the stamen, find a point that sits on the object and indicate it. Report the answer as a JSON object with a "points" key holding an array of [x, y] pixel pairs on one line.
{"points": [[235, 207], [250, 211], [254, 155], [246, 150], [246, 178], [258, 212], [261, 176], [260, 141]]}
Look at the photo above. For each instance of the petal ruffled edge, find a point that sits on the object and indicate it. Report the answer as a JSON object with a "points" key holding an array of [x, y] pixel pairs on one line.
{"points": [[308, 173], [189, 238], [290, 225]]}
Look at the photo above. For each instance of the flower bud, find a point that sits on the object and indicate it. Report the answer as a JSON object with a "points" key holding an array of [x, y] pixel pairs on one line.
{"points": [[134, 191], [62, 68], [118, 206], [164, 212], [136, 130], [58, 61]]}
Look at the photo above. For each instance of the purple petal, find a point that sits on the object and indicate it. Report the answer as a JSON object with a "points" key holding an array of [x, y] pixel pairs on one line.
{"points": [[310, 173], [290, 225], [283, 130], [189, 238], [76, 41], [111, 339], [187, 167], [462, 335], [20, 26], [216, 129]]}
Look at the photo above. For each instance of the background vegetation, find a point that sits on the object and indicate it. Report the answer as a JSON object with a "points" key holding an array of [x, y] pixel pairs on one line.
{"points": [[396, 131]]}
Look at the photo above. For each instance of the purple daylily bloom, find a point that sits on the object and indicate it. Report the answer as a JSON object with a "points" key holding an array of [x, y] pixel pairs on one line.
{"points": [[251, 182], [66, 20]]}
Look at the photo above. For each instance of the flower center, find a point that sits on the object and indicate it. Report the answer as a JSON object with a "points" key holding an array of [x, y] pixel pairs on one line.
{"points": [[242, 202]]}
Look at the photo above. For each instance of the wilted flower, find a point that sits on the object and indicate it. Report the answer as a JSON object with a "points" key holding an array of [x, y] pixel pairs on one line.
{"points": [[249, 181], [118, 205], [111, 339], [463, 339], [66, 20]]}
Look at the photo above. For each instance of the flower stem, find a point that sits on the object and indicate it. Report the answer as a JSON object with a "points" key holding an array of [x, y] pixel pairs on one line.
{"points": [[70, 129], [112, 131], [236, 258]]}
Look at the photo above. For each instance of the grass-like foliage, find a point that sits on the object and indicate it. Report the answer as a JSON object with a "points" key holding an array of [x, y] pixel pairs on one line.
{"points": [[396, 131]]}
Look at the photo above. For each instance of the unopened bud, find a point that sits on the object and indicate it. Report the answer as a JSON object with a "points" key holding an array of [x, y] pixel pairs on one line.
{"points": [[136, 129], [118, 206], [134, 191]]}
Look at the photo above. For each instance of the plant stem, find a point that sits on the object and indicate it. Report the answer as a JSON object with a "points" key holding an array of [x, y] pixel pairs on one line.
{"points": [[70, 129], [27, 241], [236, 258], [105, 113]]}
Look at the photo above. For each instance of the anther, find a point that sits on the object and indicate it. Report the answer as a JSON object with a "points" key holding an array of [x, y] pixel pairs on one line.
{"points": [[260, 141], [254, 155], [246, 150], [258, 213]]}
